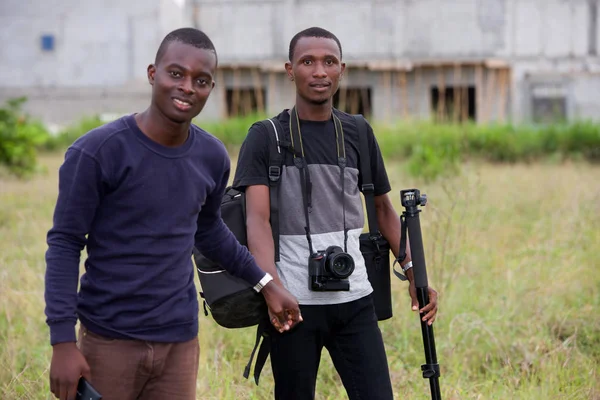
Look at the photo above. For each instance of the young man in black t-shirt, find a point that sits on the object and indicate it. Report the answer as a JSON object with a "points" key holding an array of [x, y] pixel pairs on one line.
{"points": [[343, 321]]}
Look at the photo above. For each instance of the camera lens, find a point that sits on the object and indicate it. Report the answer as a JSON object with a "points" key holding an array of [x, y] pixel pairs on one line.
{"points": [[341, 265]]}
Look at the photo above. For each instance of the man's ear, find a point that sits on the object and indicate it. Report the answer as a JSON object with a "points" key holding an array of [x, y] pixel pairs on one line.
{"points": [[343, 69], [151, 72], [290, 73]]}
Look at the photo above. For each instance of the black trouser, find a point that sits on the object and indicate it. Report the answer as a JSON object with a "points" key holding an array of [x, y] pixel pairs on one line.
{"points": [[350, 333]]}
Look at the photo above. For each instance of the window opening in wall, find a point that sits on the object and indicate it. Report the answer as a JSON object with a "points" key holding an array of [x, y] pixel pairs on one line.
{"points": [[549, 104], [245, 101], [353, 100], [47, 42], [453, 103]]}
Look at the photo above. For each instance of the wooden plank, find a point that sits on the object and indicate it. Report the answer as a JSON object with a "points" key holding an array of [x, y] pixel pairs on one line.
{"points": [[441, 115], [387, 84], [490, 94], [258, 94], [479, 93], [222, 92], [235, 102], [501, 94], [403, 93], [456, 101]]}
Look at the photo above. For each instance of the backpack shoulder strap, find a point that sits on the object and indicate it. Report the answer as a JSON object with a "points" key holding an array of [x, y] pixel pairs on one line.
{"points": [[367, 188], [278, 146], [263, 347], [276, 158]]}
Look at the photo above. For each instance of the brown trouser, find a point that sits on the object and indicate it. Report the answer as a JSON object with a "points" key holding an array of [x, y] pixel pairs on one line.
{"points": [[132, 369]]}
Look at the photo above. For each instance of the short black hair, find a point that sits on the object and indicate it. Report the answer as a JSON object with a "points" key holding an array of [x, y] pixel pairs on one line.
{"points": [[315, 32], [191, 36]]}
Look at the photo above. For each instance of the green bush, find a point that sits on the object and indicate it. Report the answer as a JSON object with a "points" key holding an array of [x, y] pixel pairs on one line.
{"points": [[68, 135], [496, 143], [231, 131], [430, 163], [583, 138], [19, 138], [429, 150], [456, 143]]}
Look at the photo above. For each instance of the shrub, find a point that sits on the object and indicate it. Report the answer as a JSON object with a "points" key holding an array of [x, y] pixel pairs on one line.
{"points": [[430, 150], [72, 132], [231, 131], [430, 163], [19, 138]]}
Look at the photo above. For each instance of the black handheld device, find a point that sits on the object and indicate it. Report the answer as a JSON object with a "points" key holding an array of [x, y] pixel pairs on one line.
{"points": [[85, 391]]}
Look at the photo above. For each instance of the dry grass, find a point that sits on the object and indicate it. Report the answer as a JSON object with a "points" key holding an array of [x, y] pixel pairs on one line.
{"points": [[511, 249]]}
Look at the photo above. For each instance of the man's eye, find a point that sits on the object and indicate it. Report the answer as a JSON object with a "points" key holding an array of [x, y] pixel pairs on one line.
{"points": [[175, 74], [307, 62], [202, 82], [329, 62]]}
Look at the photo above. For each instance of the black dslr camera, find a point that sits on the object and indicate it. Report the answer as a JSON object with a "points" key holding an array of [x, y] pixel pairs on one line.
{"points": [[329, 270]]}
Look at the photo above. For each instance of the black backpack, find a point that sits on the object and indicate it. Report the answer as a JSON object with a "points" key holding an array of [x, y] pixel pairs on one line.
{"points": [[233, 303]]}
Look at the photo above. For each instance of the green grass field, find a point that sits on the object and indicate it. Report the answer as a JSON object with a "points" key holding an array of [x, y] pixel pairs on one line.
{"points": [[512, 250]]}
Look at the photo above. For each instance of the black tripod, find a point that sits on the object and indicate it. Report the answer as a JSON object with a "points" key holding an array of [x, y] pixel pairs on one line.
{"points": [[411, 199]]}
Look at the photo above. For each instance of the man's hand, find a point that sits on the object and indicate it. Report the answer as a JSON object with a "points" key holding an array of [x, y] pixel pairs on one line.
{"points": [[430, 309], [284, 311], [68, 365]]}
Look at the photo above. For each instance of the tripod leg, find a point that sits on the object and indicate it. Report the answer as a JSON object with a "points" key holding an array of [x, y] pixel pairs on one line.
{"points": [[431, 368]]}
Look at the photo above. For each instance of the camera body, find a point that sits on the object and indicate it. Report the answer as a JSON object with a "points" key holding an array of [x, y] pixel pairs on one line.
{"points": [[329, 270]]}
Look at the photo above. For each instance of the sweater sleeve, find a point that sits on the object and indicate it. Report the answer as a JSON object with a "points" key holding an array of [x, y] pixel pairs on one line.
{"points": [[216, 241], [79, 194]]}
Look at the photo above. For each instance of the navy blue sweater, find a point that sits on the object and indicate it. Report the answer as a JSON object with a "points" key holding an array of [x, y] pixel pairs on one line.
{"points": [[138, 208]]}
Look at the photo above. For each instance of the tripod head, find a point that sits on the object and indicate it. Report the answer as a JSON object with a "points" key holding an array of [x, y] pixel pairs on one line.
{"points": [[411, 198]]}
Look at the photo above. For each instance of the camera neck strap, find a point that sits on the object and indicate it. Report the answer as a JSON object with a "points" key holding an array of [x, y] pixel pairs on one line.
{"points": [[301, 164]]}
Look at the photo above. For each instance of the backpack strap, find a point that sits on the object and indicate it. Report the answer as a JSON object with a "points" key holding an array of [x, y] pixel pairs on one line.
{"points": [[263, 351], [368, 190], [276, 157], [277, 151]]}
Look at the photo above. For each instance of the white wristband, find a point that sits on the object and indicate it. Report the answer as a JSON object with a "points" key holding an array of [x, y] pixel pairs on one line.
{"points": [[407, 266], [261, 284]]}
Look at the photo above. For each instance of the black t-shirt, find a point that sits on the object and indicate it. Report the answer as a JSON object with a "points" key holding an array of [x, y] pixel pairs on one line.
{"points": [[319, 143], [327, 216]]}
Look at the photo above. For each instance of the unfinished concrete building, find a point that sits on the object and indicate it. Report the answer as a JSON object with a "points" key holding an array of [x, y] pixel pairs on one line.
{"points": [[483, 60]]}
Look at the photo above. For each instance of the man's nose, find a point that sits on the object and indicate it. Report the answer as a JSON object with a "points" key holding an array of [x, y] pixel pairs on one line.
{"points": [[319, 71], [187, 86]]}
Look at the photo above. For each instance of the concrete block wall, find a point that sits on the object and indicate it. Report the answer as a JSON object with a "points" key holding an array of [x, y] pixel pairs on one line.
{"points": [[97, 43], [255, 29], [103, 47], [98, 64]]}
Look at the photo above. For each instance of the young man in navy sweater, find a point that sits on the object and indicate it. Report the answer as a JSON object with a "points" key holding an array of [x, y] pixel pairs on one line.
{"points": [[139, 193]]}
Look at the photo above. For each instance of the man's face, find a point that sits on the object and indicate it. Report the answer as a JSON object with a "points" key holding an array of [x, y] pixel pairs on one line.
{"points": [[316, 69], [182, 80]]}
